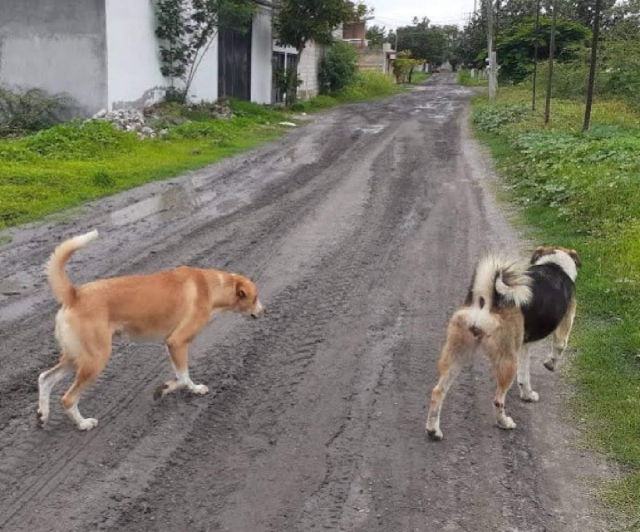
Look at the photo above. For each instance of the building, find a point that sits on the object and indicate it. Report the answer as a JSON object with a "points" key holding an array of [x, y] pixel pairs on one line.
{"points": [[104, 53]]}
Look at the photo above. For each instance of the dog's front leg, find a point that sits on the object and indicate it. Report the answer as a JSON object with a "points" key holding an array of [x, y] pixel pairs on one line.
{"points": [[524, 376], [179, 359]]}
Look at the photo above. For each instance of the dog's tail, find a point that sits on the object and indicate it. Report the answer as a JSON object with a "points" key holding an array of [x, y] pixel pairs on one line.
{"points": [[61, 285], [497, 283]]}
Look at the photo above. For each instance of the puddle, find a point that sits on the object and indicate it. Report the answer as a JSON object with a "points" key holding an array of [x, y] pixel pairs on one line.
{"points": [[372, 129], [174, 201]]}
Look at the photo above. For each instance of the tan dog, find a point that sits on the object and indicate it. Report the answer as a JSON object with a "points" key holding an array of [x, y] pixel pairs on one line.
{"points": [[508, 306], [172, 305]]}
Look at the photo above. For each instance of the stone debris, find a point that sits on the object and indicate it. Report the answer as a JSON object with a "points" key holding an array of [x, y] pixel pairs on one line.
{"points": [[127, 120], [137, 121]]}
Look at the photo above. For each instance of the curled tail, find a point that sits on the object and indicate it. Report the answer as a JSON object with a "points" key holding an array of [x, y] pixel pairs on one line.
{"points": [[61, 285], [497, 283]]}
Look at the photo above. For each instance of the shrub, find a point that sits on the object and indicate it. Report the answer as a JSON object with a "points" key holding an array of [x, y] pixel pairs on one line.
{"points": [[492, 118], [337, 68], [31, 110], [368, 85]]}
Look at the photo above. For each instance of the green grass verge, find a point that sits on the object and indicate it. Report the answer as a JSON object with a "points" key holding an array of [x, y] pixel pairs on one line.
{"points": [[365, 86], [69, 164], [464, 78], [419, 77], [583, 191]]}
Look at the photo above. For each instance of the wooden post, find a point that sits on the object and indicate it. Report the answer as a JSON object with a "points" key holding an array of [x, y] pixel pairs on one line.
{"points": [[592, 69], [535, 55], [552, 46]]}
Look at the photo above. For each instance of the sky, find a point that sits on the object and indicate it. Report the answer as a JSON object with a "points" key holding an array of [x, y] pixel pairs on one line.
{"points": [[393, 13]]}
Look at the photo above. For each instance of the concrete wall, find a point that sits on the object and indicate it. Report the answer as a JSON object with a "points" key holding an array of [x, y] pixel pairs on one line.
{"points": [[58, 46], [261, 53], [308, 66], [134, 58]]}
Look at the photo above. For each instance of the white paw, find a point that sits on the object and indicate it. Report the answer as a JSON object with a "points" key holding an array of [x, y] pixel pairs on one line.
{"points": [[43, 415], [435, 434], [530, 396], [88, 424], [200, 389], [505, 422]]}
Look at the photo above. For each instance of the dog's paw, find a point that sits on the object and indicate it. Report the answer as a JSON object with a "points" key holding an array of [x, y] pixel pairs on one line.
{"points": [[42, 416], [435, 434], [200, 389], [505, 422], [530, 396], [88, 424], [159, 391], [550, 364]]}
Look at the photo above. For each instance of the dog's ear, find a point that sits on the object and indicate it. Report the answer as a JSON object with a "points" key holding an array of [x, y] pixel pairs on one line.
{"points": [[537, 254], [241, 291], [576, 258]]}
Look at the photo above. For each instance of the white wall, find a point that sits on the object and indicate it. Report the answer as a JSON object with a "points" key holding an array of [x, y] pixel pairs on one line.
{"points": [[133, 58], [308, 69], [261, 54]]}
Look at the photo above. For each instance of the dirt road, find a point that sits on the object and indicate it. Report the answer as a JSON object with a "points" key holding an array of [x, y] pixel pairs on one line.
{"points": [[361, 229]]}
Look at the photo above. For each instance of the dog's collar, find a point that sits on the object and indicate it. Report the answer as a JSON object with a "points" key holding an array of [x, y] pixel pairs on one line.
{"points": [[561, 259]]}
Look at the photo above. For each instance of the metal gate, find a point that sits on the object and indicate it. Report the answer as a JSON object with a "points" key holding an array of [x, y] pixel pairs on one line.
{"points": [[234, 64]]}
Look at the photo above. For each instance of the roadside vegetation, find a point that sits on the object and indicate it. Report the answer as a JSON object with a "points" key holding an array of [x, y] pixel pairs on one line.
{"points": [[583, 191], [580, 190], [71, 163], [465, 79]]}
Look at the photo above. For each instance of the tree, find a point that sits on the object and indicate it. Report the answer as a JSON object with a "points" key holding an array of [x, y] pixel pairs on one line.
{"points": [[337, 68], [425, 42], [187, 28], [516, 45], [376, 36], [404, 65], [299, 21]]}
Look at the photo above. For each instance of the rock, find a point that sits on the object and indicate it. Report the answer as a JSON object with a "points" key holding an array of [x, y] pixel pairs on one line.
{"points": [[100, 114]]}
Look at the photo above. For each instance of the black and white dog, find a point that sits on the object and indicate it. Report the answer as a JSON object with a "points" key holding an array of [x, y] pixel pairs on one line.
{"points": [[509, 305]]}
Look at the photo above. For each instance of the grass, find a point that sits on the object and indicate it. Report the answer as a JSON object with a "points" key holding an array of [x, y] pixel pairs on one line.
{"points": [[69, 164], [464, 78], [419, 77], [365, 86], [583, 191]]}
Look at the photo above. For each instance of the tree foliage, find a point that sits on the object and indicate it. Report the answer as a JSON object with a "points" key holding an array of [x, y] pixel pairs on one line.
{"points": [[430, 44], [187, 28], [516, 45], [404, 65], [376, 36]]}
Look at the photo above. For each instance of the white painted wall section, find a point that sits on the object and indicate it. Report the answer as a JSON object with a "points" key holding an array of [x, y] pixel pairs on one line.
{"points": [[308, 66], [133, 58], [261, 54]]}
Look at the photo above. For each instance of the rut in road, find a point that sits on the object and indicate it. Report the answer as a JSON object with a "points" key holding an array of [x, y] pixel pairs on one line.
{"points": [[361, 230]]}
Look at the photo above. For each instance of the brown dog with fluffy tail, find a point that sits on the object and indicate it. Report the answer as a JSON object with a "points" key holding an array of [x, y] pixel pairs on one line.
{"points": [[509, 305], [171, 305]]}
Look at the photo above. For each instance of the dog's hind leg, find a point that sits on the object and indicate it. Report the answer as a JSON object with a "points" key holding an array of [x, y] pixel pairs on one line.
{"points": [[86, 374], [505, 370], [524, 376], [178, 346], [561, 337], [46, 382], [454, 353]]}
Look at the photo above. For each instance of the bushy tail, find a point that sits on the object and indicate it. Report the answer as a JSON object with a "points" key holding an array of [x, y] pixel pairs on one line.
{"points": [[497, 282], [61, 285], [500, 281]]}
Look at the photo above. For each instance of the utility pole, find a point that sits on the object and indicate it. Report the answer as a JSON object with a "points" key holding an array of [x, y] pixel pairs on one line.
{"points": [[552, 47], [592, 70], [493, 67], [535, 55]]}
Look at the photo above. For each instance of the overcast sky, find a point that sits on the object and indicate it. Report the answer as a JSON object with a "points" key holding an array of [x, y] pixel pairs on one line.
{"points": [[392, 13]]}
